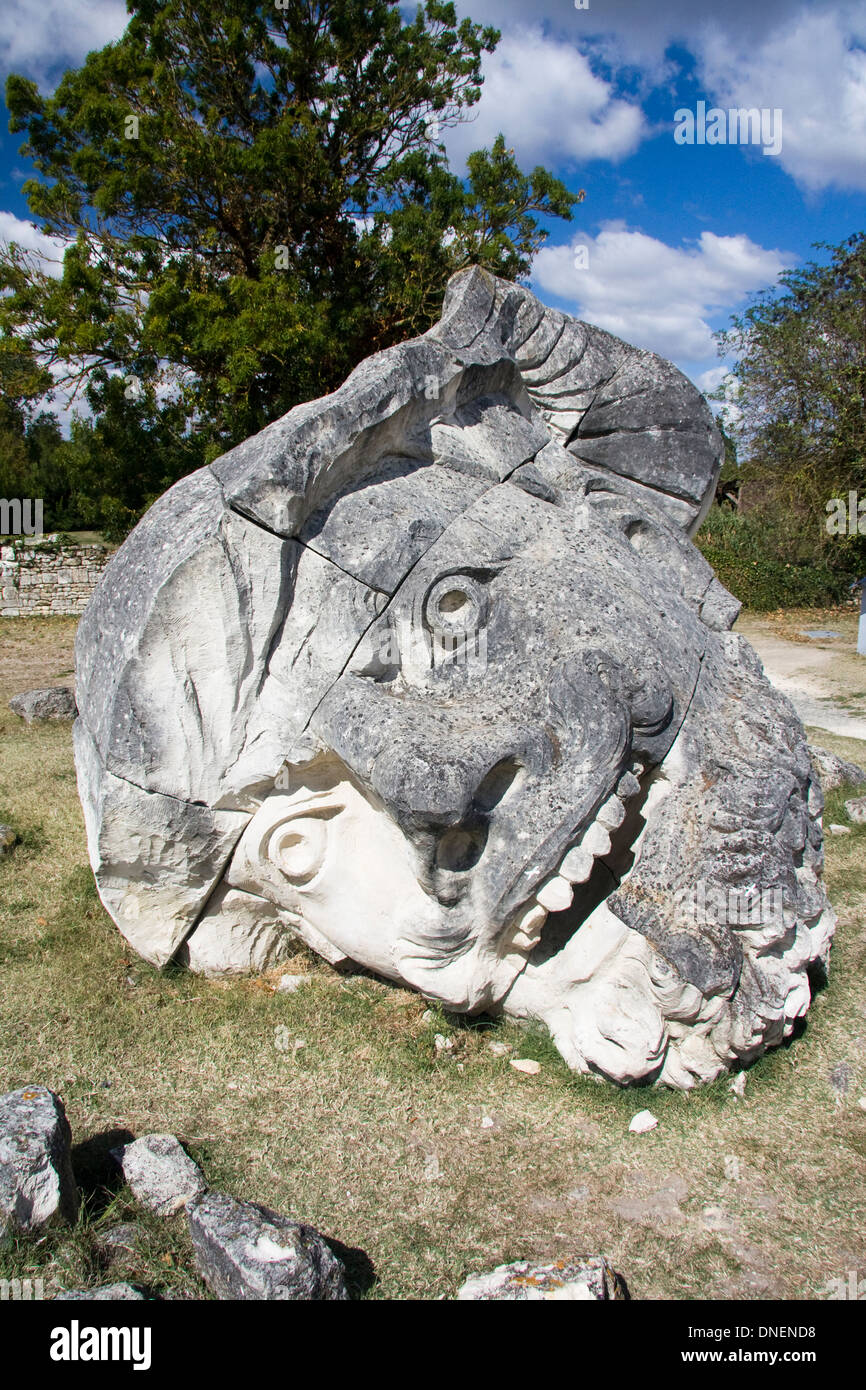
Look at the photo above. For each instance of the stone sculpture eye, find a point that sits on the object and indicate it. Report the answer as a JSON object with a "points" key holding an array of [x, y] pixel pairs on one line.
{"points": [[456, 606]]}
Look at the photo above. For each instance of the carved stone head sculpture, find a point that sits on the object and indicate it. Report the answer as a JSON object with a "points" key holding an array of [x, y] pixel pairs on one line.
{"points": [[429, 674]]}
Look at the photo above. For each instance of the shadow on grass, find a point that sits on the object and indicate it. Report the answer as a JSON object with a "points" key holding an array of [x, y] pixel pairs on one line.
{"points": [[29, 839], [97, 1172], [360, 1270]]}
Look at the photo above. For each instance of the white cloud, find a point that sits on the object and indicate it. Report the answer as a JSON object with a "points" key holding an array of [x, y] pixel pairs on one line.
{"points": [[815, 72], [712, 378], [48, 249], [804, 56], [544, 97], [654, 295], [640, 31], [39, 40]]}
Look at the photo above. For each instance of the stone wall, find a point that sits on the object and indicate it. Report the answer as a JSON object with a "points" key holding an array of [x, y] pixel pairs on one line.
{"points": [[43, 577]]}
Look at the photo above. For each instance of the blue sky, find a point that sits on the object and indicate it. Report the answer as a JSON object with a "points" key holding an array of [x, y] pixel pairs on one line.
{"points": [[677, 236]]}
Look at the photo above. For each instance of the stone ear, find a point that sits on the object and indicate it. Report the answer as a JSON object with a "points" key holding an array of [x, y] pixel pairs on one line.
{"points": [[284, 847], [281, 855]]}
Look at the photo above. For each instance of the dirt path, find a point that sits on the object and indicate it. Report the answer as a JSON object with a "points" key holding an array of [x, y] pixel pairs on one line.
{"points": [[35, 652], [824, 678]]}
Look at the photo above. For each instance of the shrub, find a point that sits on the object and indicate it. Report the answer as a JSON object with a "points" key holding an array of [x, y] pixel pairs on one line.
{"points": [[765, 562]]}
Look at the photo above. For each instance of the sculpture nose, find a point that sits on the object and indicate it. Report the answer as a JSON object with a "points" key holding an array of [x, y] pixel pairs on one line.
{"points": [[428, 792]]}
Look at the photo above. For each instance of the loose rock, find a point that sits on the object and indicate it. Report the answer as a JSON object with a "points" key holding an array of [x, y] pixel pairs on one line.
{"points": [[839, 829], [160, 1173], [290, 984], [526, 1065], [57, 702], [119, 1242], [577, 1279], [246, 1251], [835, 771], [857, 810], [36, 1181], [106, 1293], [643, 1122]]}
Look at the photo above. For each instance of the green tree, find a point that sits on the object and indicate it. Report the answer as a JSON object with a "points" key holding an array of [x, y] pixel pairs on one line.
{"points": [[255, 197], [800, 422]]}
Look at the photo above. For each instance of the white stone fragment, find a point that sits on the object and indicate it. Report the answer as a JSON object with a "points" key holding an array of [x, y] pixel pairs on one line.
{"points": [[555, 894], [290, 984], [596, 840], [612, 813], [577, 864]]}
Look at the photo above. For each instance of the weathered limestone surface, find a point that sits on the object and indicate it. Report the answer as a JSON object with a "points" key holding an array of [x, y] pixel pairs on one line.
{"points": [[37, 1186], [580, 1279], [160, 1173], [246, 1251], [429, 674]]}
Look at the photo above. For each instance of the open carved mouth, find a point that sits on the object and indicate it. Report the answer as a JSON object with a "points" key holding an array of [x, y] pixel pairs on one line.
{"points": [[591, 869]]}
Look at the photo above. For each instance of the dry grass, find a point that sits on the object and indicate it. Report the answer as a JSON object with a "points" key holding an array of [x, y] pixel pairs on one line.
{"points": [[369, 1134]]}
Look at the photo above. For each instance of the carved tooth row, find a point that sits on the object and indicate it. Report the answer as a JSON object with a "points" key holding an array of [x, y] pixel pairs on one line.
{"points": [[556, 894], [577, 865], [596, 840]]}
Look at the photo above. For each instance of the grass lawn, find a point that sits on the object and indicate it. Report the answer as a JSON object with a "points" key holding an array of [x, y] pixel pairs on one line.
{"points": [[359, 1126]]}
